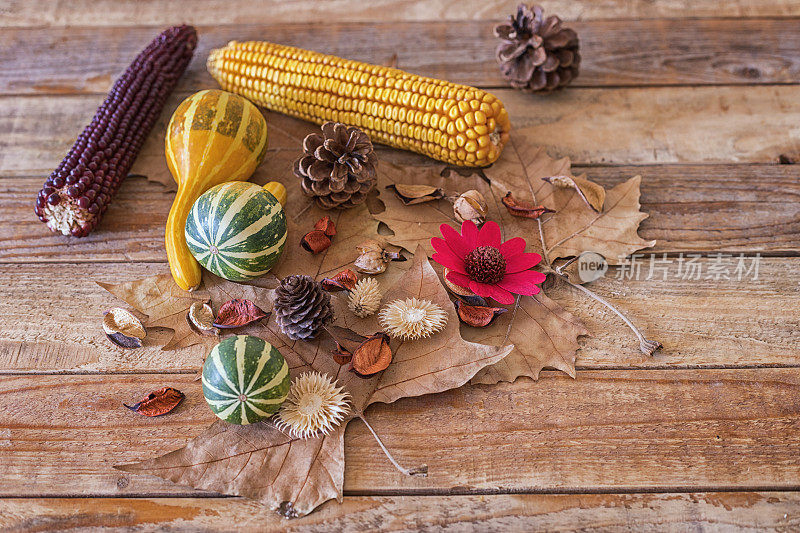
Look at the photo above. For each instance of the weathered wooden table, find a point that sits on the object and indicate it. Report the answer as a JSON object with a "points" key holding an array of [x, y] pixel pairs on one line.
{"points": [[699, 97]]}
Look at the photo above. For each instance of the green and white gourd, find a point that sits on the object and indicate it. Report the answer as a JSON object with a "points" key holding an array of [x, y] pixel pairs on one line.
{"points": [[236, 230], [245, 379]]}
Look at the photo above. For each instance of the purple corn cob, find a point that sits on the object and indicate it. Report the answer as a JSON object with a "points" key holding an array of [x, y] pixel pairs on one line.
{"points": [[77, 193]]}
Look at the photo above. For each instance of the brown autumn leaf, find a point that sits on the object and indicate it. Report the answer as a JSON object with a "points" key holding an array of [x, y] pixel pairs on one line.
{"points": [[294, 476], [574, 227]]}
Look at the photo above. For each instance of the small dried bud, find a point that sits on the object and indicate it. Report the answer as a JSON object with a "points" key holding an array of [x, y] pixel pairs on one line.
{"points": [[471, 205]]}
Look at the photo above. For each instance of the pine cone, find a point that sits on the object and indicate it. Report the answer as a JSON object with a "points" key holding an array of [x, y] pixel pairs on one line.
{"points": [[338, 167], [537, 54], [302, 307]]}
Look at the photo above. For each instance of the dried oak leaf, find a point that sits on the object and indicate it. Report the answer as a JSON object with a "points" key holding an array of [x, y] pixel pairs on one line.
{"points": [[158, 403], [260, 462]]}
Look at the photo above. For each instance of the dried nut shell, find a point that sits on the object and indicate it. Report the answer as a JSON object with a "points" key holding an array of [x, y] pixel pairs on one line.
{"points": [[123, 328], [370, 262], [201, 317], [370, 245], [471, 205]]}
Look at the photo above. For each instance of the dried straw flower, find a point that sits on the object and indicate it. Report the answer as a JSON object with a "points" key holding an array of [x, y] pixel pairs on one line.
{"points": [[412, 319], [365, 298], [314, 405]]}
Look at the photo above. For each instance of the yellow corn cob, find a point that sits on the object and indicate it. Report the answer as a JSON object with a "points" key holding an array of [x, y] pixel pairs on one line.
{"points": [[454, 123]]}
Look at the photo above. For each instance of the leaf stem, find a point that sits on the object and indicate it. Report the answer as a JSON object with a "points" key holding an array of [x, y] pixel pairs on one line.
{"points": [[421, 470], [647, 347]]}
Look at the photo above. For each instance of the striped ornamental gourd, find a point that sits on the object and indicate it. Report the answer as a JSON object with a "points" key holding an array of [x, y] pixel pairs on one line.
{"points": [[454, 123], [245, 379], [237, 230]]}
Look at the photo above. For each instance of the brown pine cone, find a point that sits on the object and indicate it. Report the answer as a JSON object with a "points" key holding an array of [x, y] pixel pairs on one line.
{"points": [[338, 167], [537, 54], [302, 307]]}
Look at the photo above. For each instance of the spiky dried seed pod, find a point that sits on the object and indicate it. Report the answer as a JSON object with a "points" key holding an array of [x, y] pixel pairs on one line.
{"points": [[412, 319], [365, 298], [302, 307], [314, 405]]}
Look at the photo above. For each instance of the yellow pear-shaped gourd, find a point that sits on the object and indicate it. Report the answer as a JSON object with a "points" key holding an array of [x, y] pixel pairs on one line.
{"points": [[213, 137]]}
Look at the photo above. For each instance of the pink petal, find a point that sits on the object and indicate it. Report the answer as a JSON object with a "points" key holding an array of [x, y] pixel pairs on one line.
{"points": [[512, 247], [490, 235], [445, 256], [491, 291], [459, 279], [522, 282], [449, 260], [469, 231], [521, 262], [455, 241]]}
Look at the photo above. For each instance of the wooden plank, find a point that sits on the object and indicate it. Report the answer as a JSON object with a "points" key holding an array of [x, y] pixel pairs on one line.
{"points": [[702, 511], [616, 431], [615, 53], [610, 126], [164, 12], [50, 318], [693, 208]]}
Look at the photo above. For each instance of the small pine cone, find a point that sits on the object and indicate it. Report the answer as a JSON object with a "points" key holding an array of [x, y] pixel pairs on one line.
{"points": [[365, 298], [338, 166], [536, 53], [302, 307]]}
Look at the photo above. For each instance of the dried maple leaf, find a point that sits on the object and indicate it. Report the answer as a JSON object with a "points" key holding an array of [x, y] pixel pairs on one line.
{"points": [[574, 228], [294, 476]]}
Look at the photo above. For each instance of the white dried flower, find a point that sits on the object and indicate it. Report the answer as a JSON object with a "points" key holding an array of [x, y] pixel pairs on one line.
{"points": [[314, 405], [365, 298], [412, 319]]}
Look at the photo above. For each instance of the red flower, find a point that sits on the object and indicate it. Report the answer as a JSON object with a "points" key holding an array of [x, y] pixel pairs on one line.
{"points": [[479, 261]]}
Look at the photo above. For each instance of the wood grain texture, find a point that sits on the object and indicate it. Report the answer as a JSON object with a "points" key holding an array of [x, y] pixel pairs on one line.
{"points": [[623, 431], [51, 318], [692, 208], [615, 53], [609, 126], [133, 13], [702, 511]]}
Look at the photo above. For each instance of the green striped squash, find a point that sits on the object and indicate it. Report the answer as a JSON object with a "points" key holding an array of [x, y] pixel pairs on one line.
{"points": [[245, 379], [236, 230]]}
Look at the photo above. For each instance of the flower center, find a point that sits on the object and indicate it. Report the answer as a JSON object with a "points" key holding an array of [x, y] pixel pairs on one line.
{"points": [[309, 404], [485, 264], [415, 315]]}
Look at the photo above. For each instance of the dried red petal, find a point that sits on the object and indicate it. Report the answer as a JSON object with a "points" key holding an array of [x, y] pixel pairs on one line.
{"points": [[524, 209], [326, 226], [373, 355], [478, 316], [315, 241], [237, 313], [343, 281], [158, 403]]}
